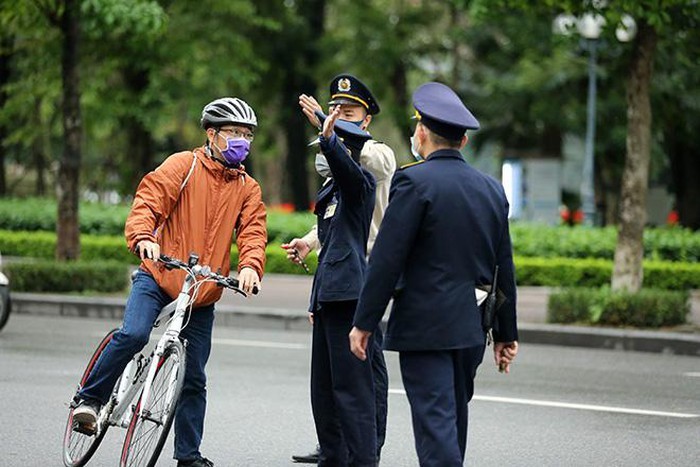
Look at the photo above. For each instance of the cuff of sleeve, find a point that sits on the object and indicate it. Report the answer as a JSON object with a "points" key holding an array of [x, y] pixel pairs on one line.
{"points": [[326, 144], [312, 241]]}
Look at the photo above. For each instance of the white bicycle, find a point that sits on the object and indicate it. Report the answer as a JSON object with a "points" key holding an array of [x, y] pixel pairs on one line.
{"points": [[156, 378]]}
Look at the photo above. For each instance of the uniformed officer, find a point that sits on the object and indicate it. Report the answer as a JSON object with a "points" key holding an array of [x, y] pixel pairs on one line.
{"points": [[342, 390], [357, 106], [443, 233]]}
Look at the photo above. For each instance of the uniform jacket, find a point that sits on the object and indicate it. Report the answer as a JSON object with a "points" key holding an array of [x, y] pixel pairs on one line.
{"points": [[379, 160], [215, 201], [344, 206], [443, 232]]}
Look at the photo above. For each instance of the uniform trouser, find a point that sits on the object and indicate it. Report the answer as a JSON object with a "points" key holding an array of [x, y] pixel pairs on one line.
{"points": [[142, 308], [342, 391], [439, 386], [381, 387]]}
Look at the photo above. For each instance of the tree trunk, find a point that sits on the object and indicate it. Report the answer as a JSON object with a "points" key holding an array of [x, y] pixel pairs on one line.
{"points": [[67, 228], [5, 57], [684, 154], [300, 79], [399, 83], [139, 138], [628, 272]]}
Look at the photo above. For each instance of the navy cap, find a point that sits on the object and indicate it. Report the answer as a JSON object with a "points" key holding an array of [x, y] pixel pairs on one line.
{"points": [[441, 110], [346, 130], [346, 89]]}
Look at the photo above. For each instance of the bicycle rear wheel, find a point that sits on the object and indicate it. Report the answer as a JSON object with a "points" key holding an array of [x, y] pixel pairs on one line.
{"points": [[148, 430], [78, 447]]}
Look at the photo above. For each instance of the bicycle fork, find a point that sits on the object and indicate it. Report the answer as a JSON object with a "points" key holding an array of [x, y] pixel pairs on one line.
{"points": [[171, 334]]}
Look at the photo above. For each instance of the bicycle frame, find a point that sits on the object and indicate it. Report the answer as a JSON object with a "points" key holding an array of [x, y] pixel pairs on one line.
{"points": [[118, 411]]}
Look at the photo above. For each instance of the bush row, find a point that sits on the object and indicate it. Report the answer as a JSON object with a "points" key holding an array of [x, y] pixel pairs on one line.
{"points": [[79, 276], [554, 272], [563, 272], [648, 308], [38, 214], [662, 244], [667, 244]]}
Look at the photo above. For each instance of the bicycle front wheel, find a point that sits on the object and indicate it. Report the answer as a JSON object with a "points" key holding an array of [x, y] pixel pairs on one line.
{"points": [[149, 427], [79, 447]]}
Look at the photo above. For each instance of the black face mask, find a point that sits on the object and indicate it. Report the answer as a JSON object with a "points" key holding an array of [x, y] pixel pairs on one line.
{"points": [[355, 147]]}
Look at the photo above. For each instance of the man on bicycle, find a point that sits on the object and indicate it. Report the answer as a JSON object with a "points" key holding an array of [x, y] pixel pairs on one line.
{"points": [[193, 202]]}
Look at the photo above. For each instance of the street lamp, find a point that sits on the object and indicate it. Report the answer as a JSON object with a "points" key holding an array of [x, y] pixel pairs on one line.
{"points": [[589, 27]]}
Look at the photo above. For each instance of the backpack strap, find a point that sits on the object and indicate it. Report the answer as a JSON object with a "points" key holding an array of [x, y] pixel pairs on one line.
{"points": [[189, 174]]}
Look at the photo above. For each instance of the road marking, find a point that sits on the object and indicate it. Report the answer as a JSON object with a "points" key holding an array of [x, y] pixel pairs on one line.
{"points": [[566, 405], [692, 374], [263, 344]]}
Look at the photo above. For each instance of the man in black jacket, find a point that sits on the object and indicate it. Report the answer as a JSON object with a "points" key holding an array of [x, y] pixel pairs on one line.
{"points": [[342, 390], [444, 232]]}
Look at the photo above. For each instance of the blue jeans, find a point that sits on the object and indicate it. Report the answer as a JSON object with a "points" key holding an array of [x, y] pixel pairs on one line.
{"points": [[142, 308]]}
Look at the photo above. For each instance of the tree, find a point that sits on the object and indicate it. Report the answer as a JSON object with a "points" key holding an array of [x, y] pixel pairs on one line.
{"points": [[65, 16], [654, 19]]}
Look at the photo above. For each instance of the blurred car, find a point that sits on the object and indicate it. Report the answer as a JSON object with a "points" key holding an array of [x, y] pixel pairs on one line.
{"points": [[5, 303]]}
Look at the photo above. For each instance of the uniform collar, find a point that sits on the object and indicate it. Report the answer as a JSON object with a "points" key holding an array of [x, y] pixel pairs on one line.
{"points": [[445, 154]]}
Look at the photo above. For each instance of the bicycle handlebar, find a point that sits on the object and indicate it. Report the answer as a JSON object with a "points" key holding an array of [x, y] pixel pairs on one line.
{"points": [[223, 281]]}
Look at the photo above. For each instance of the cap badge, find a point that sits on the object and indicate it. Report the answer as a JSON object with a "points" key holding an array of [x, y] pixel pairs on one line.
{"points": [[344, 85]]}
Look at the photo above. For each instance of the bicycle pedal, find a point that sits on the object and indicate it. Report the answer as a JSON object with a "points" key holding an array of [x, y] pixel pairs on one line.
{"points": [[88, 429]]}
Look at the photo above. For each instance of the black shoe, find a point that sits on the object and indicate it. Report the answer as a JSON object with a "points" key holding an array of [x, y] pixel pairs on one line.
{"points": [[85, 416], [311, 458], [201, 462]]}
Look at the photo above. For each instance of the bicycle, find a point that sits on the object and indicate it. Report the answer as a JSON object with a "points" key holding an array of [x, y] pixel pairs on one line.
{"points": [[157, 379]]}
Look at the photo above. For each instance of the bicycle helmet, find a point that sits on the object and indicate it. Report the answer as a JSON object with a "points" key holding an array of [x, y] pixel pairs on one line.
{"points": [[228, 110]]}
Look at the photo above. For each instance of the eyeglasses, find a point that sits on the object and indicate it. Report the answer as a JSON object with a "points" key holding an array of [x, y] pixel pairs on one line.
{"points": [[236, 133]]}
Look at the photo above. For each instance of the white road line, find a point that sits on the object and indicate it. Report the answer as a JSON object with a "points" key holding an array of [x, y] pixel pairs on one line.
{"points": [[692, 374], [566, 405], [262, 344]]}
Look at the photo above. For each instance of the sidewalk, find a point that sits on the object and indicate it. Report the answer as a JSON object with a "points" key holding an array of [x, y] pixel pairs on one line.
{"points": [[283, 302]]}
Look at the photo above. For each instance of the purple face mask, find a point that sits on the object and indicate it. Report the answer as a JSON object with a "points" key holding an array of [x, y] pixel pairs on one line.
{"points": [[237, 149]]}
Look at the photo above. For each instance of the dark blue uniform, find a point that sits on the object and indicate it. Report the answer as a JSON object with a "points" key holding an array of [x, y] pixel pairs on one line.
{"points": [[342, 391], [444, 231]]}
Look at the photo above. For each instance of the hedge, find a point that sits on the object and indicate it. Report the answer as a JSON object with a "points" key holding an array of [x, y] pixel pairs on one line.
{"points": [[563, 272], [667, 244], [38, 214], [647, 308], [80, 276]]}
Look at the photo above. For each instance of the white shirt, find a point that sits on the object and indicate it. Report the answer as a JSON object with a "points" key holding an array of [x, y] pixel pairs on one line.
{"points": [[379, 160]]}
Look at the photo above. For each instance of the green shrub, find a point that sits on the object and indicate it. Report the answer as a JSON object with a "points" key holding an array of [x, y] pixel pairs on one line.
{"points": [[668, 244], [553, 272], [529, 240], [40, 214], [52, 276], [650, 308]]}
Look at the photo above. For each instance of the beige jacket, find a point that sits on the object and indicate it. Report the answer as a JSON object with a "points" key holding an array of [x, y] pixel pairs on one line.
{"points": [[379, 159]]}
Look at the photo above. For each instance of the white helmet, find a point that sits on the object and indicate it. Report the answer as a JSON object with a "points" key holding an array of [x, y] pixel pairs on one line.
{"points": [[227, 110]]}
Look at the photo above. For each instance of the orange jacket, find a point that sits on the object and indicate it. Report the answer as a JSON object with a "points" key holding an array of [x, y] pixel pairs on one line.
{"points": [[201, 219]]}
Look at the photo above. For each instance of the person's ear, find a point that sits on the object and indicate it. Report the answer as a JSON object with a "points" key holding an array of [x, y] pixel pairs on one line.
{"points": [[368, 120], [463, 141]]}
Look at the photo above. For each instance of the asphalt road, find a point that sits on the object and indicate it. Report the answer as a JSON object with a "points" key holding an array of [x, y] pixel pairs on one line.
{"points": [[560, 406]]}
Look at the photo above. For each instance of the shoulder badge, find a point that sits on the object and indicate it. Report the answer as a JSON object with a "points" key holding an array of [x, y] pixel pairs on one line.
{"points": [[411, 164]]}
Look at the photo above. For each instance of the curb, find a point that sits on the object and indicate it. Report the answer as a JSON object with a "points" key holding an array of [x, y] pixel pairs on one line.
{"points": [[677, 343]]}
